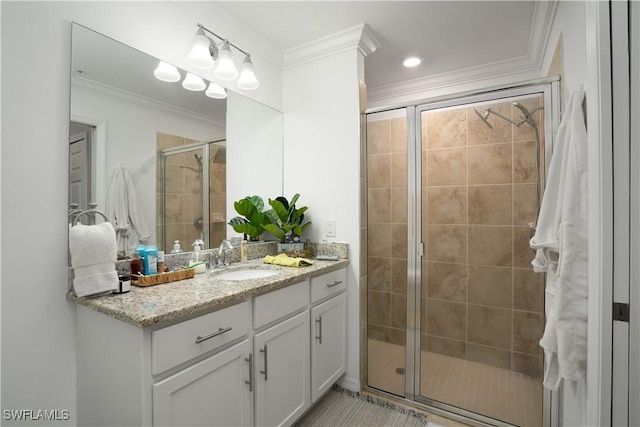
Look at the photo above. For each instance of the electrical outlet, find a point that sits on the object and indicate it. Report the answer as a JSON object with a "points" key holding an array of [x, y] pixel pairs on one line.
{"points": [[331, 228]]}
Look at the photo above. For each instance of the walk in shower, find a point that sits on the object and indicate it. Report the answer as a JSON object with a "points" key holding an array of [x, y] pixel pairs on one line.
{"points": [[454, 309], [191, 192]]}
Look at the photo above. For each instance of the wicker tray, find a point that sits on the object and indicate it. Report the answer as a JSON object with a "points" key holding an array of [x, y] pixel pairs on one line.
{"points": [[158, 279]]}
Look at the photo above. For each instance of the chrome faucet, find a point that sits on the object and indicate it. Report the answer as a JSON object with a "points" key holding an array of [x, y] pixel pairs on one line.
{"points": [[221, 256]]}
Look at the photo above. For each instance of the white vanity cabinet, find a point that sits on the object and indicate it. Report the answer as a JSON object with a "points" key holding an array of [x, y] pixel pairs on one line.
{"points": [[214, 392], [258, 362], [329, 334], [282, 355]]}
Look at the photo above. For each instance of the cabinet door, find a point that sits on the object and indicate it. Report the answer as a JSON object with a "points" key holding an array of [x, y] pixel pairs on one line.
{"points": [[213, 392], [329, 344], [282, 378]]}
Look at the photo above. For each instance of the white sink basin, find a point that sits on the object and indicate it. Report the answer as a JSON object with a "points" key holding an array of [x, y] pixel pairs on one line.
{"points": [[246, 274]]}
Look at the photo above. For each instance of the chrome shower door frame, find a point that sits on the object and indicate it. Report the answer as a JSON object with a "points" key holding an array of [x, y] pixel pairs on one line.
{"points": [[550, 91]]}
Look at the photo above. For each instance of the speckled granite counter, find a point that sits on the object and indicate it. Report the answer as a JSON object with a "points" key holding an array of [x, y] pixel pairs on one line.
{"points": [[171, 302]]}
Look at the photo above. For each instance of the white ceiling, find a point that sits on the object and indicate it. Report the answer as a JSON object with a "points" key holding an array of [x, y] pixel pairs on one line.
{"points": [[449, 35]]}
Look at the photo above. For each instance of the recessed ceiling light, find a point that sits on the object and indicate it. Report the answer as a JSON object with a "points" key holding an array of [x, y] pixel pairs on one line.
{"points": [[411, 61]]}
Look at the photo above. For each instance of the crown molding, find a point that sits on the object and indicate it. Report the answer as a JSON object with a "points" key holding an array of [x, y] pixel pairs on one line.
{"points": [[129, 98], [359, 37], [527, 65]]}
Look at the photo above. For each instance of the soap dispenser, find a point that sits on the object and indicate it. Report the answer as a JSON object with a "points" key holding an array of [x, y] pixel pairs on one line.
{"points": [[176, 247], [200, 267]]}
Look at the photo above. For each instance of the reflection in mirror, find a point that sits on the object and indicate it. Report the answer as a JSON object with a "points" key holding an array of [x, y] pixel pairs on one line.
{"points": [[190, 189], [133, 121]]}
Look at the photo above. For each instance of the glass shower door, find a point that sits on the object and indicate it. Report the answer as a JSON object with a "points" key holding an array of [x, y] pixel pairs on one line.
{"points": [[387, 250], [481, 303]]}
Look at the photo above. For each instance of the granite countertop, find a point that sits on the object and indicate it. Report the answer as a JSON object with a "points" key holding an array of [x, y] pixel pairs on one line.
{"points": [[171, 302]]}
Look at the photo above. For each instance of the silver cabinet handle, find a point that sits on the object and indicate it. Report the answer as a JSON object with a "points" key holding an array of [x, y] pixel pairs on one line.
{"points": [[336, 283], [250, 381], [266, 375], [220, 331], [319, 337]]}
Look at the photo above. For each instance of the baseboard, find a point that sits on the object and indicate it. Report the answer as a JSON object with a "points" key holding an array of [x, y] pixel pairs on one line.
{"points": [[349, 384]]}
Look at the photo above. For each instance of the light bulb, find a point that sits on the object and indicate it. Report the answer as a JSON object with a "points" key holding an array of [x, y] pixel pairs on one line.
{"points": [[200, 57], [225, 68], [412, 61], [166, 72], [247, 79], [216, 91], [193, 82]]}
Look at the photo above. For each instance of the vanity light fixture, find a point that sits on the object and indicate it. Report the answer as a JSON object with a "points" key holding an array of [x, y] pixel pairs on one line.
{"points": [[205, 54], [193, 82], [247, 79], [411, 61], [200, 56], [166, 72], [216, 91]]}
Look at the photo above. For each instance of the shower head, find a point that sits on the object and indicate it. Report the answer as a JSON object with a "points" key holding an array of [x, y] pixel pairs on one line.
{"points": [[521, 108], [198, 159], [527, 116], [485, 117]]}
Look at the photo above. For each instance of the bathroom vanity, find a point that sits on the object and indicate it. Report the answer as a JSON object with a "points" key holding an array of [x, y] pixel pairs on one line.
{"points": [[209, 351]]}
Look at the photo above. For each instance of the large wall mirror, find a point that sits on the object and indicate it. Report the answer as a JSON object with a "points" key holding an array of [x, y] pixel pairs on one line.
{"points": [[164, 158]]}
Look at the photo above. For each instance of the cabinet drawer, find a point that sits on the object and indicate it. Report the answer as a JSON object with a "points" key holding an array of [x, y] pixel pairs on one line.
{"points": [[277, 304], [184, 341], [328, 284]]}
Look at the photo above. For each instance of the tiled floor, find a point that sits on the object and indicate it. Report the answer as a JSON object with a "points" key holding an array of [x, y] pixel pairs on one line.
{"points": [[494, 392]]}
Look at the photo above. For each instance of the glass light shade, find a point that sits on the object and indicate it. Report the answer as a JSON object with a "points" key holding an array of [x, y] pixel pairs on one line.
{"points": [[200, 57], [193, 82], [166, 72], [225, 68], [247, 79], [216, 91]]}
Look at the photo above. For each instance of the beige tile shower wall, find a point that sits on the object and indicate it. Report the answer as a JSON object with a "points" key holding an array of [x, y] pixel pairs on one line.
{"points": [[481, 300], [387, 230]]}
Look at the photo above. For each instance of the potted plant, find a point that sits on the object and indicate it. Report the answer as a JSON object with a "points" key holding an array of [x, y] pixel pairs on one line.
{"points": [[286, 223], [253, 219]]}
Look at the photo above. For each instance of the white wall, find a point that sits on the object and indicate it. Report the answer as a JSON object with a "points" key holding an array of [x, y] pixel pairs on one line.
{"points": [[38, 324], [569, 26], [322, 158]]}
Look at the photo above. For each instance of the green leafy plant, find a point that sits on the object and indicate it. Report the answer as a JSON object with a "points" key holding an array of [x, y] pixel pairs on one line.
{"points": [[253, 218], [286, 222]]}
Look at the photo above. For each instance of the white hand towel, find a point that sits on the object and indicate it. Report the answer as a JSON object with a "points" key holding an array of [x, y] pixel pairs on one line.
{"points": [[93, 258]]}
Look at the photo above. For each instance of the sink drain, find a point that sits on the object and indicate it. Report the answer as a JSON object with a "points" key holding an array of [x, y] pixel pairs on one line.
{"points": [[400, 371]]}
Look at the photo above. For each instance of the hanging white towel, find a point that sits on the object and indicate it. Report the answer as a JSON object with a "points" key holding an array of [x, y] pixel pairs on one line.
{"points": [[560, 242], [93, 258], [123, 211]]}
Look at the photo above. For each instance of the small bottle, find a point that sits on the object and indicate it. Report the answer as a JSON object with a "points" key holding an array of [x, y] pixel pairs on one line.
{"points": [[176, 247], [137, 264], [244, 251], [161, 266], [151, 260]]}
